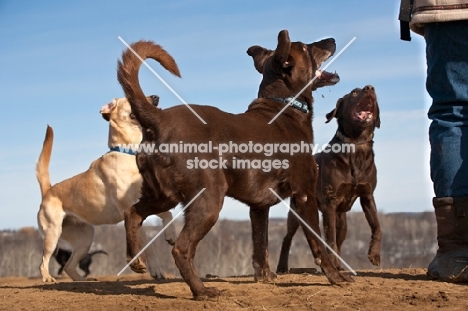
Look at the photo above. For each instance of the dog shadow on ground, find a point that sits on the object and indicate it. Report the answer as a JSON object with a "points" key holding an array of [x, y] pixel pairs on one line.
{"points": [[129, 287], [396, 275], [143, 287]]}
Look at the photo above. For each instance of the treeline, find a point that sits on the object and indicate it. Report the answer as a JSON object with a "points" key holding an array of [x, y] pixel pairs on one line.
{"points": [[408, 240]]}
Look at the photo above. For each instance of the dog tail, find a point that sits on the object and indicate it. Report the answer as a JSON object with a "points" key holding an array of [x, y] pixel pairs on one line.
{"points": [[42, 165], [98, 252], [127, 74]]}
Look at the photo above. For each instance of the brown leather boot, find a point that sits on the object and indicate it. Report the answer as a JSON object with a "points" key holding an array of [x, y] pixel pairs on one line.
{"points": [[451, 261]]}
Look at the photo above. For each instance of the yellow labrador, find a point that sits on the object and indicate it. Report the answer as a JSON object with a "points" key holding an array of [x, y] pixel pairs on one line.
{"points": [[100, 195]]}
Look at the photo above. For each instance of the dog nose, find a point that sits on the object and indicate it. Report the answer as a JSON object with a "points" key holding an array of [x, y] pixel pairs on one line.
{"points": [[154, 100], [369, 88]]}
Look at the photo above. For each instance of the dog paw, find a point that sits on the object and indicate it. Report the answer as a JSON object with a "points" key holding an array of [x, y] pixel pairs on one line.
{"points": [[49, 279], [208, 293], [138, 266], [170, 235], [282, 267], [335, 277], [282, 270], [374, 259], [158, 276], [347, 278], [264, 275], [341, 278]]}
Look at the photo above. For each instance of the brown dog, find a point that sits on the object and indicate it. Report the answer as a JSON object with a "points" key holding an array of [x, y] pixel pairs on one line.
{"points": [[346, 171], [172, 178]]}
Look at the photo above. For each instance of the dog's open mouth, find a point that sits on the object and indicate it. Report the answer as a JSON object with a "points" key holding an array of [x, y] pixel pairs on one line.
{"points": [[364, 110], [363, 115], [325, 78]]}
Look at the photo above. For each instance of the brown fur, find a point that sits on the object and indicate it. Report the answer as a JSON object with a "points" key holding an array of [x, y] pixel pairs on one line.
{"points": [[346, 176], [167, 181]]}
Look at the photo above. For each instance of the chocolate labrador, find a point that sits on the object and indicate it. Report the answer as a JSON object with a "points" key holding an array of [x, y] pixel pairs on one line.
{"points": [[346, 172], [174, 177]]}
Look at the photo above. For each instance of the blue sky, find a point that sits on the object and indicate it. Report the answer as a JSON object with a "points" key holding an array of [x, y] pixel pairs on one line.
{"points": [[58, 66]]}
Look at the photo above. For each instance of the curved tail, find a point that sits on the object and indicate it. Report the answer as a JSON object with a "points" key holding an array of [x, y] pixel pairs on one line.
{"points": [[42, 165], [127, 74]]}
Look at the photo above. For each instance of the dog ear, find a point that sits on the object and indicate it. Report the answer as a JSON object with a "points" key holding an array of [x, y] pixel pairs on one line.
{"points": [[107, 109], [320, 51], [259, 55], [332, 113], [281, 54], [377, 117]]}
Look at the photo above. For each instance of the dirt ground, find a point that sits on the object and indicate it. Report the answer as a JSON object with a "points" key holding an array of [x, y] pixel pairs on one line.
{"points": [[394, 289]]}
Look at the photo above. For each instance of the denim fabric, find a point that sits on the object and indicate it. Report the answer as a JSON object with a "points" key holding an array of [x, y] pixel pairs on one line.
{"points": [[447, 84]]}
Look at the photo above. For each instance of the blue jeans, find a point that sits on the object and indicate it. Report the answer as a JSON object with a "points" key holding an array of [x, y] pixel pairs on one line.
{"points": [[447, 84]]}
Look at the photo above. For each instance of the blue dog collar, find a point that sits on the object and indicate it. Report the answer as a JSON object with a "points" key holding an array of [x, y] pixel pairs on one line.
{"points": [[295, 103], [123, 150]]}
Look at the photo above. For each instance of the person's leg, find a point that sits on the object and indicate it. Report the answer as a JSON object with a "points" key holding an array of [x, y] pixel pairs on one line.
{"points": [[447, 84]]}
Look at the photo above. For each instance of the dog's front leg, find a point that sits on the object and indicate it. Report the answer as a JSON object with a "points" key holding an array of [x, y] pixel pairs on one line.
{"points": [[259, 222], [330, 228], [341, 230], [370, 211], [200, 217]]}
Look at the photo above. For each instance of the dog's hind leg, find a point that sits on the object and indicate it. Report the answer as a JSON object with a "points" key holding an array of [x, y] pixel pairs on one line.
{"points": [[49, 220], [259, 223], [134, 217], [292, 226], [133, 221], [80, 236], [200, 217]]}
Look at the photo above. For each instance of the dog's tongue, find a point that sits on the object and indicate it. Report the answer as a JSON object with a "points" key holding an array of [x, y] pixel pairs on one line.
{"points": [[327, 76], [363, 115]]}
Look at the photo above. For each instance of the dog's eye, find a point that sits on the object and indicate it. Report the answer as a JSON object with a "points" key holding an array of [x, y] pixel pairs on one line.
{"points": [[356, 91], [132, 115]]}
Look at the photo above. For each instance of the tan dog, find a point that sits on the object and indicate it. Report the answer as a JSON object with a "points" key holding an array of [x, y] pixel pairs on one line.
{"points": [[71, 208]]}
